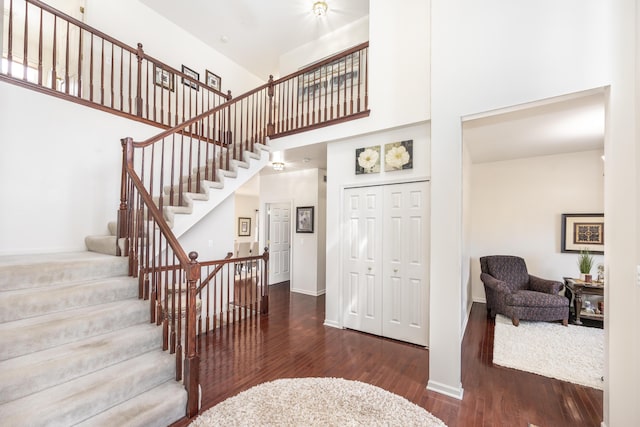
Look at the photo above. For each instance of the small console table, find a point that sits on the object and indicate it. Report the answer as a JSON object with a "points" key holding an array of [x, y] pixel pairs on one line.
{"points": [[580, 288]]}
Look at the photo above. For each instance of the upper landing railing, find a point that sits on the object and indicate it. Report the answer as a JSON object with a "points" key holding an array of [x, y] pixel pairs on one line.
{"points": [[49, 51]]}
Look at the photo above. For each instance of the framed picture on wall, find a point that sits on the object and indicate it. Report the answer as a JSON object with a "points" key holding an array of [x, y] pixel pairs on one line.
{"points": [[244, 226], [304, 219], [213, 80], [582, 231], [163, 78], [190, 73]]}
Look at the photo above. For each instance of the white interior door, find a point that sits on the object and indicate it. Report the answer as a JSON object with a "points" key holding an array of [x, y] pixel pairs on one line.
{"points": [[362, 233], [279, 242], [405, 290]]}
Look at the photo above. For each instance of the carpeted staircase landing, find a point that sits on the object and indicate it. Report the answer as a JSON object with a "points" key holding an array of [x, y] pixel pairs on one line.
{"points": [[76, 346]]}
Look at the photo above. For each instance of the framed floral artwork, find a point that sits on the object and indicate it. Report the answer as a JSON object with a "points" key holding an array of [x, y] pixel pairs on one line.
{"points": [[398, 156], [367, 160]]}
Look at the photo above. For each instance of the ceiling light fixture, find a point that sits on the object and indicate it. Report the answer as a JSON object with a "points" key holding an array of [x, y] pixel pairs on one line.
{"points": [[278, 166], [320, 8]]}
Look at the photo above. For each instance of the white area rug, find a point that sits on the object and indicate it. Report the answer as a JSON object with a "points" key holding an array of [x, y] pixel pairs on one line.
{"points": [[569, 353], [316, 402]]}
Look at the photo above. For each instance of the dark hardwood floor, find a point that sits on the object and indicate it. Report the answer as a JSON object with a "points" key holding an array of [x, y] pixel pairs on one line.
{"points": [[292, 342]]}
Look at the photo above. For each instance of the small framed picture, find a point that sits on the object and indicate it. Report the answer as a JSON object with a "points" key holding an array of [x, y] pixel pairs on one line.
{"points": [[582, 231], [244, 226], [304, 219], [195, 76], [214, 81], [163, 78]]}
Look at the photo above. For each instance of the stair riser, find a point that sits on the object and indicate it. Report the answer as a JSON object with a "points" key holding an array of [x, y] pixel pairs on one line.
{"points": [[31, 373], [80, 399], [35, 275], [16, 305], [45, 334]]}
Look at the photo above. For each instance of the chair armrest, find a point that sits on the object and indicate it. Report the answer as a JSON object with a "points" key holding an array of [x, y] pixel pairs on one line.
{"points": [[543, 285], [494, 284]]}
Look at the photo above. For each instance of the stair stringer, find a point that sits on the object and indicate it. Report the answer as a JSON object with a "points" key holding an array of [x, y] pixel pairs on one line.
{"points": [[197, 205]]}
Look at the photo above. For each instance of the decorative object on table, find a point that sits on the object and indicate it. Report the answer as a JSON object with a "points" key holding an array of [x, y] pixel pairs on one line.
{"points": [[580, 231], [398, 156], [194, 75], [513, 292], [304, 219], [244, 226], [574, 354], [306, 402], [214, 81], [163, 78], [367, 160], [580, 291], [585, 264], [600, 278]]}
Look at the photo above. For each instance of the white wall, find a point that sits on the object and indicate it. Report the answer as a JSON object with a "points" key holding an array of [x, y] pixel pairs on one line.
{"points": [[60, 165], [487, 55], [517, 206], [622, 220], [245, 207], [399, 73], [343, 38], [322, 231], [301, 188], [341, 175], [212, 237], [132, 22]]}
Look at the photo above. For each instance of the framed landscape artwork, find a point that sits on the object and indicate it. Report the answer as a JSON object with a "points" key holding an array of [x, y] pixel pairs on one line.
{"points": [[582, 231]]}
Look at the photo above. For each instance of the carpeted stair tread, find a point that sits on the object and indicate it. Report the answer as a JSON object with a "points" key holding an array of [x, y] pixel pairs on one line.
{"points": [[25, 303], [34, 372], [158, 407], [42, 332], [80, 399], [26, 271], [103, 244]]}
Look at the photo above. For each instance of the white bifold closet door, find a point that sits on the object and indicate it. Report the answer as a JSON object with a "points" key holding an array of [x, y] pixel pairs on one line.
{"points": [[386, 261]]}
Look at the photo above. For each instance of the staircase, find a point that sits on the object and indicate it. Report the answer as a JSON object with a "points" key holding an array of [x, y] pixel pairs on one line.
{"points": [[76, 346], [195, 204]]}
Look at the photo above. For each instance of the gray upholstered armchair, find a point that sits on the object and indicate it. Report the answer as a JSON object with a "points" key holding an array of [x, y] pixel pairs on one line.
{"points": [[513, 292]]}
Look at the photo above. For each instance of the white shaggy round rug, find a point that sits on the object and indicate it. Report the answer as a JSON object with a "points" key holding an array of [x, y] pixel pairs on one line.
{"points": [[316, 402]]}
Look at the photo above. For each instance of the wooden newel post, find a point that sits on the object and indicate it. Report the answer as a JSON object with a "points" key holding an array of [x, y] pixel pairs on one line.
{"points": [[192, 359], [123, 217], [140, 56], [270, 92], [264, 304]]}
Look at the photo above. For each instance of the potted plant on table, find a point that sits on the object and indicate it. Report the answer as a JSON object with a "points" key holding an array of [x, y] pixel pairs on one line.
{"points": [[585, 264]]}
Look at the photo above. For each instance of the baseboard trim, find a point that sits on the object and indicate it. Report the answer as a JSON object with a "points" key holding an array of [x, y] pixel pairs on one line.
{"points": [[332, 324], [310, 293], [480, 300], [455, 392]]}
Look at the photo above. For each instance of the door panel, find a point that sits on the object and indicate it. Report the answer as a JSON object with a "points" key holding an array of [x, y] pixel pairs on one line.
{"points": [[362, 233], [406, 258], [279, 242]]}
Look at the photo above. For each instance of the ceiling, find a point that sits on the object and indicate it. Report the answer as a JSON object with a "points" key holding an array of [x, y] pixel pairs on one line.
{"points": [[559, 125], [255, 33]]}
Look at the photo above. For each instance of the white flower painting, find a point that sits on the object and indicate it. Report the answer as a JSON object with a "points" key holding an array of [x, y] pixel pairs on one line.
{"points": [[368, 160], [398, 156]]}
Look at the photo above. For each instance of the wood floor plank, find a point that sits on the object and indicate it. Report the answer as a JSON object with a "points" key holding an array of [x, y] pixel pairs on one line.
{"points": [[293, 342]]}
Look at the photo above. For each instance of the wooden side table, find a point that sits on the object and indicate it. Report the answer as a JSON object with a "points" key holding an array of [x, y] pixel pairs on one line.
{"points": [[580, 288]]}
